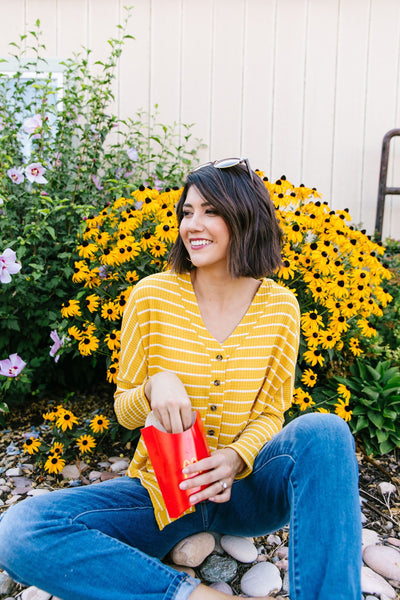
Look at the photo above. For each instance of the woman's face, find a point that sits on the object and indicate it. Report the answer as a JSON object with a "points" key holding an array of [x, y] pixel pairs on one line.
{"points": [[204, 232]]}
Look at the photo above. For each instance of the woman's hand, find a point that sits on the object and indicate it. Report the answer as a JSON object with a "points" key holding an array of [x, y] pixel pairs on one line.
{"points": [[169, 401], [217, 472]]}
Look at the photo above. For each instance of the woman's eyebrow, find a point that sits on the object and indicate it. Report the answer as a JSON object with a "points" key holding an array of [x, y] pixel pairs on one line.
{"points": [[187, 204]]}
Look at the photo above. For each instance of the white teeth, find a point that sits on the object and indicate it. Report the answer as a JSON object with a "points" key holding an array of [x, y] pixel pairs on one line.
{"points": [[200, 242]]}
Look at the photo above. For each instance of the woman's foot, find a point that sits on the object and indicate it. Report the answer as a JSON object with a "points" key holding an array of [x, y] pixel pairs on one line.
{"points": [[202, 592]]}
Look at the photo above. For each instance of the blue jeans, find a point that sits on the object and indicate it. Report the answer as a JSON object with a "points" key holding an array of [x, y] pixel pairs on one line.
{"points": [[101, 542]]}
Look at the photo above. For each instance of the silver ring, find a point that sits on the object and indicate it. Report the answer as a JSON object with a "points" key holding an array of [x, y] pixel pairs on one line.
{"points": [[224, 485]]}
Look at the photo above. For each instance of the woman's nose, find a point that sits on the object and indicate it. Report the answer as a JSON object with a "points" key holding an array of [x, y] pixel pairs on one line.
{"points": [[196, 222]]}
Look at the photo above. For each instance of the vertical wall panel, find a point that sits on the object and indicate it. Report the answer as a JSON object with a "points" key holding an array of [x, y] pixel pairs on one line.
{"points": [[196, 89], [380, 105], [71, 27], [166, 31], [321, 52], [258, 84], [134, 67], [46, 11], [12, 24], [289, 89], [227, 73], [350, 106]]}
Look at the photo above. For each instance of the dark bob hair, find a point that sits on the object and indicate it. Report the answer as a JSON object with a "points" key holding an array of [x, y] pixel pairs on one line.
{"points": [[245, 206]]}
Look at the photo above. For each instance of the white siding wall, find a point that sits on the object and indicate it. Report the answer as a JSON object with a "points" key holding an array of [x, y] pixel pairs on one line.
{"points": [[306, 88]]}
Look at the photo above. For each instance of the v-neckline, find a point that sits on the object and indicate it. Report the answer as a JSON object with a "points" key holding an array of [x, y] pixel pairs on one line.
{"points": [[190, 303]]}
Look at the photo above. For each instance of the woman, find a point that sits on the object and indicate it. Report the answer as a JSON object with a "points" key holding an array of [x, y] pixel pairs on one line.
{"points": [[213, 335]]}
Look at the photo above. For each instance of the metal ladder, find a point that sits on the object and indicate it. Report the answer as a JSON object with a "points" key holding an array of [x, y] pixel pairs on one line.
{"points": [[383, 190]]}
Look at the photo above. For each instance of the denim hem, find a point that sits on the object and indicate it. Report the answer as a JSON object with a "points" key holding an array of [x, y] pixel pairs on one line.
{"points": [[185, 588]]}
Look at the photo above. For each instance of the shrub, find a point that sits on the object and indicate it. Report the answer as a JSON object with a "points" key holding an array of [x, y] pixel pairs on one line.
{"points": [[63, 157], [332, 267], [63, 438], [375, 398]]}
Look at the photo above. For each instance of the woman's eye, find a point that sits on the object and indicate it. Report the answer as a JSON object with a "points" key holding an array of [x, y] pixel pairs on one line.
{"points": [[185, 213], [211, 211]]}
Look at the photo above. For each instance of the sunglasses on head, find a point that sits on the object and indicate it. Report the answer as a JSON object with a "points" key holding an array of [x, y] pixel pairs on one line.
{"points": [[225, 163]]}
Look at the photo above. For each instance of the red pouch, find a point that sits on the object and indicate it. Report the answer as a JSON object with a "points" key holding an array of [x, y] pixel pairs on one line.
{"points": [[169, 454]]}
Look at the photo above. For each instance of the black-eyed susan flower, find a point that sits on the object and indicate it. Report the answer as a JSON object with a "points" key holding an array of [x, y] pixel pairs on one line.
{"points": [[87, 249], [302, 399], [109, 311], [158, 249], [113, 339], [70, 309], [88, 344], [354, 346], [367, 329], [81, 272], [86, 443], [32, 445], [311, 321], [99, 423], [344, 391], [132, 276], [323, 410], [54, 464], [343, 410], [147, 240], [112, 374], [309, 378], [57, 449], [74, 332], [287, 270], [66, 420], [92, 302], [49, 416], [329, 339], [165, 232], [314, 357]]}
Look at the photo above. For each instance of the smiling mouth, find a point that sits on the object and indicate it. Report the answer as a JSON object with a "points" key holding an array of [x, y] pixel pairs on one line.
{"points": [[199, 243]]}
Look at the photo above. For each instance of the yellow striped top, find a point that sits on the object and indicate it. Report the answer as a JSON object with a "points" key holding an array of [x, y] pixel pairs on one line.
{"points": [[241, 387]]}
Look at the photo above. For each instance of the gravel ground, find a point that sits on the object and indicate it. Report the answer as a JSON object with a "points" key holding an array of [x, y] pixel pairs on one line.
{"points": [[381, 512]]}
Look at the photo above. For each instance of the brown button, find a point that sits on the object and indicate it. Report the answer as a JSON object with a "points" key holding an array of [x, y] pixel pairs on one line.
{"points": [[211, 432], [217, 382], [219, 357], [213, 407]]}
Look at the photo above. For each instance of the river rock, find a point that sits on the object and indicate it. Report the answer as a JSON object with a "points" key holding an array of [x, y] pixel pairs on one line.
{"points": [[120, 465], [193, 550], [223, 587], [262, 579], [394, 541], [218, 568], [70, 472], [369, 538], [187, 570], [14, 472], [33, 593], [38, 492], [6, 583], [242, 549], [372, 583], [384, 560]]}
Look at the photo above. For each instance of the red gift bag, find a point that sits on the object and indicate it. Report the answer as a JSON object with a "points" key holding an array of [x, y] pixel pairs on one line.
{"points": [[169, 454]]}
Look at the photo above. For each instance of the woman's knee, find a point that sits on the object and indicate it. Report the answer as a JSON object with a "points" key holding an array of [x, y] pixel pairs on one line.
{"points": [[326, 433]]}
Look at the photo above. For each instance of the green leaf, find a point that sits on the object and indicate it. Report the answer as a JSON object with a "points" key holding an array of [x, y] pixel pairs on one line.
{"points": [[386, 446], [51, 231], [382, 436], [376, 418], [375, 374]]}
